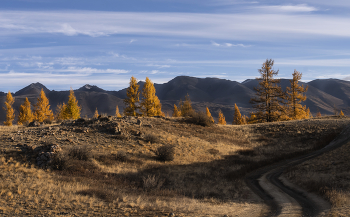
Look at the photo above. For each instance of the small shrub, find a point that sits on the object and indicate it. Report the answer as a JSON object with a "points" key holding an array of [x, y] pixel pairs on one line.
{"points": [[121, 156], [152, 182], [48, 121], [213, 151], [58, 162], [199, 118], [80, 153], [165, 153], [151, 138]]}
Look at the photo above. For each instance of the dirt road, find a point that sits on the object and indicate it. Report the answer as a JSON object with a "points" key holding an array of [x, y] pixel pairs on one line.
{"points": [[285, 199]]}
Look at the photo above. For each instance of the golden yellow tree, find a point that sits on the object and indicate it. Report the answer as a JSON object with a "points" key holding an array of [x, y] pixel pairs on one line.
{"points": [[221, 118], [117, 114], [25, 113], [10, 113], [158, 107], [96, 114], [42, 109], [132, 98], [61, 112], [186, 106], [296, 95], [318, 114], [237, 117], [341, 113], [209, 115], [150, 104], [270, 96], [72, 109], [176, 112], [252, 119]]}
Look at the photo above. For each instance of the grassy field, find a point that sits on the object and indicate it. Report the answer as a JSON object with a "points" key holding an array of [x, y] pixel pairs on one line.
{"points": [[110, 166]]}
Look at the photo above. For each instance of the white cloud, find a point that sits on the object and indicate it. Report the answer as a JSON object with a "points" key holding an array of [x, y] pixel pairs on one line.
{"points": [[288, 8], [262, 26], [215, 44], [158, 66], [89, 70]]}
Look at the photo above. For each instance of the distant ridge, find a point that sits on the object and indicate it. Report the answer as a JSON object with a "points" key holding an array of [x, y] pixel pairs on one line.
{"points": [[324, 95]]}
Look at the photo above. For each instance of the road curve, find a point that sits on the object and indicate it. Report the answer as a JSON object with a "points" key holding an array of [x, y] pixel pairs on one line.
{"points": [[283, 198]]}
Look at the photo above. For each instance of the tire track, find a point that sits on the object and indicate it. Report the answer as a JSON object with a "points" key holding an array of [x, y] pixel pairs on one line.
{"points": [[283, 198]]}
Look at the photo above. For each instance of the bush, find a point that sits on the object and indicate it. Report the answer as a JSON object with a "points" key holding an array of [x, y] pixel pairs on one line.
{"points": [[122, 156], [165, 153], [58, 162], [80, 153], [199, 118], [151, 138]]}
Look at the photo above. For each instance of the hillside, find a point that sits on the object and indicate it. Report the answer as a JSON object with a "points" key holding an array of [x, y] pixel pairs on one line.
{"points": [[323, 95]]}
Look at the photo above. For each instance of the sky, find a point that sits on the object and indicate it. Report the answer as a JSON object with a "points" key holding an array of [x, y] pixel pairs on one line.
{"points": [[65, 43]]}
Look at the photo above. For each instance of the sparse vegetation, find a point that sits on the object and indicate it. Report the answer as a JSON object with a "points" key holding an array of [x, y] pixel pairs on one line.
{"points": [[199, 118], [125, 177], [165, 153]]}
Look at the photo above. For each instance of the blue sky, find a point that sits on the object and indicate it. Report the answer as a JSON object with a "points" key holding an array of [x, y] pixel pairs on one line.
{"points": [[65, 44]]}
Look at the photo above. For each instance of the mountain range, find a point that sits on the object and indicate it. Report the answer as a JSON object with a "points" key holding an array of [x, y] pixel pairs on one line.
{"points": [[323, 95]]}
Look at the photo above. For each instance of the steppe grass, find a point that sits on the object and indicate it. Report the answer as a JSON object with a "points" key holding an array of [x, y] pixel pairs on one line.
{"points": [[205, 177]]}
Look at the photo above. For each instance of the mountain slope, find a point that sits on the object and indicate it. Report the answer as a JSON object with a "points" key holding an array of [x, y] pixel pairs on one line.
{"points": [[217, 94]]}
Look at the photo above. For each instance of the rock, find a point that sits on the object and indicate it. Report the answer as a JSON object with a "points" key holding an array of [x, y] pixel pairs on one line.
{"points": [[34, 124], [139, 122], [171, 214]]}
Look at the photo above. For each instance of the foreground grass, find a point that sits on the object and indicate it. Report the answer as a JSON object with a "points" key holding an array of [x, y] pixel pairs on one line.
{"points": [[327, 175], [121, 175]]}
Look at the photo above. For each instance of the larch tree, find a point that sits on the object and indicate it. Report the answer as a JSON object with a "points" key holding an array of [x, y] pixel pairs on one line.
{"points": [[221, 118], [150, 104], [318, 114], [237, 117], [117, 114], [72, 109], [42, 109], [269, 100], [186, 106], [61, 112], [295, 96], [132, 98], [25, 113], [10, 113], [96, 114], [158, 107], [209, 115], [176, 112], [341, 113]]}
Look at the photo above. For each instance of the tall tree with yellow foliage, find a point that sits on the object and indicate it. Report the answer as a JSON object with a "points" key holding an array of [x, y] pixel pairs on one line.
{"points": [[270, 96], [117, 114], [150, 104], [25, 113], [296, 95], [42, 109], [132, 98], [61, 113], [72, 109], [10, 113], [237, 117], [209, 115], [186, 106], [96, 114], [221, 118], [176, 112]]}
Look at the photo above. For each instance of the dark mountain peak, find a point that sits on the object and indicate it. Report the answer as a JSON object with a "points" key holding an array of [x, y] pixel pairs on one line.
{"points": [[33, 88], [91, 88]]}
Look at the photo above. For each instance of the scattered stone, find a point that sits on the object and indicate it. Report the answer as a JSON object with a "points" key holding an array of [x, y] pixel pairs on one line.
{"points": [[34, 124], [171, 214], [139, 122]]}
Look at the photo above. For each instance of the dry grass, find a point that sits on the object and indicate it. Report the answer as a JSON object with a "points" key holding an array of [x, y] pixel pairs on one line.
{"points": [[124, 177], [327, 175]]}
